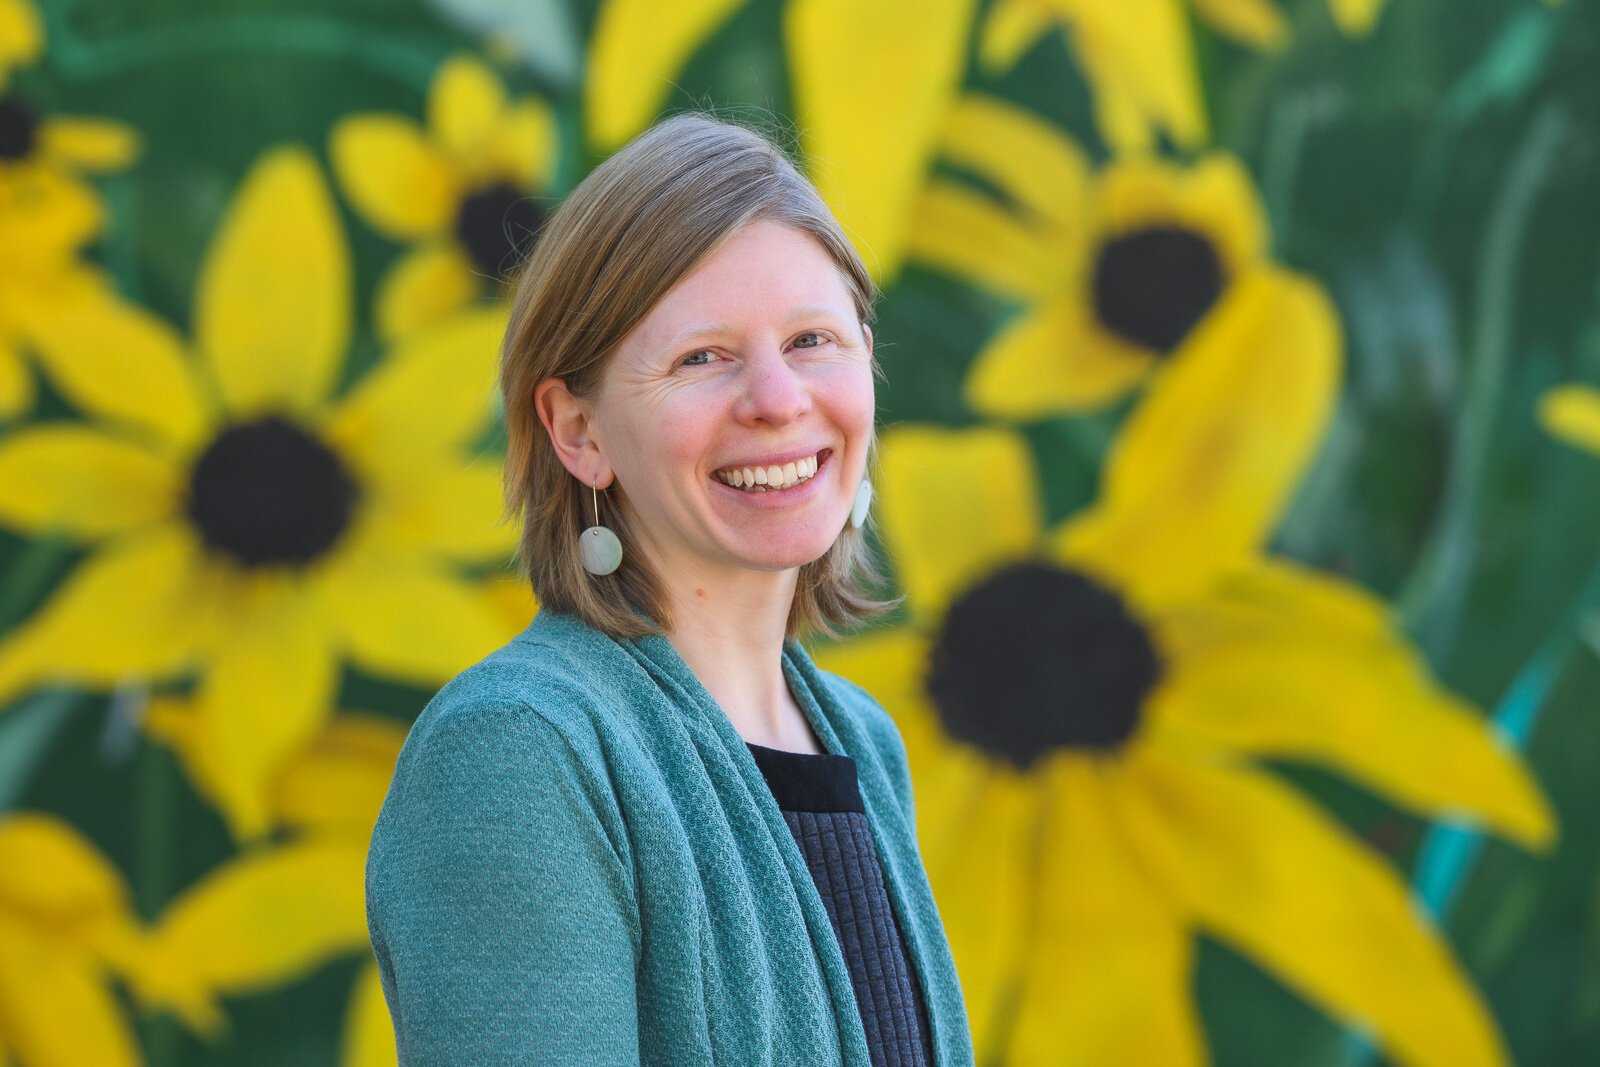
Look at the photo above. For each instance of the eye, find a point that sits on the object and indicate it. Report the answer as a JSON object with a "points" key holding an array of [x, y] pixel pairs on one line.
{"points": [[821, 339], [693, 358]]}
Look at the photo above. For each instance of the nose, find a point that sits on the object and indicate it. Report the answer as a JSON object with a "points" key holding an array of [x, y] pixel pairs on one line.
{"points": [[773, 393]]}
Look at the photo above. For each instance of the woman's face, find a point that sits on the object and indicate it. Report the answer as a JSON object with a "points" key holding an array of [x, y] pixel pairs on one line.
{"points": [[755, 365]]}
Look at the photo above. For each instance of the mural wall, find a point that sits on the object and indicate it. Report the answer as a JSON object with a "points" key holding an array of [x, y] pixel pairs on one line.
{"points": [[1240, 466]]}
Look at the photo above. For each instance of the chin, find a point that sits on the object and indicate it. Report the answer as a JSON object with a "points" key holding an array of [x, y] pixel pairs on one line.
{"points": [[789, 555]]}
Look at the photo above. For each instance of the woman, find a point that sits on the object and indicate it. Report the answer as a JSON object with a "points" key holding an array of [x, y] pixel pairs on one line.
{"points": [[650, 829]]}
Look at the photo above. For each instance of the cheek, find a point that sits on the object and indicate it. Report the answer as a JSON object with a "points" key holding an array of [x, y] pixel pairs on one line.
{"points": [[852, 402], [665, 448]]}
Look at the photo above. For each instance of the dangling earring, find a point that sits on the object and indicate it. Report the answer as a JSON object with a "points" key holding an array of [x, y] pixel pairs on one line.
{"points": [[602, 552], [858, 510]]}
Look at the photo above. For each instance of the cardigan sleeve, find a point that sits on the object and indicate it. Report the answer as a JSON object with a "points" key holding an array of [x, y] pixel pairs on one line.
{"points": [[500, 914]]}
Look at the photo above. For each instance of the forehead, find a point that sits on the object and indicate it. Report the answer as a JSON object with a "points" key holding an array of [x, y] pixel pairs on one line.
{"points": [[757, 278]]}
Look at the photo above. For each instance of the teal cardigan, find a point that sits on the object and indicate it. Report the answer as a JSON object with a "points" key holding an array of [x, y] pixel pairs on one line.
{"points": [[578, 862]]}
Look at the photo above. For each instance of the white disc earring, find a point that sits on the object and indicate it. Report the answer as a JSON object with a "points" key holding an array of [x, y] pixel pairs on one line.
{"points": [[601, 551], [858, 510]]}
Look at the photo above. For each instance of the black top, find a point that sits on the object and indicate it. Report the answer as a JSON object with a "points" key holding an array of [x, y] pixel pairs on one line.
{"points": [[821, 802]]}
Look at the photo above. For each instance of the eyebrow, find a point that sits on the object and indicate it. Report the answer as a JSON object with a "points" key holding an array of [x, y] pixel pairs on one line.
{"points": [[696, 332]]}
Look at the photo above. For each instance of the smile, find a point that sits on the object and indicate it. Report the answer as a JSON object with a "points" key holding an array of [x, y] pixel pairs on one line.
{"points": [[770, 478]]}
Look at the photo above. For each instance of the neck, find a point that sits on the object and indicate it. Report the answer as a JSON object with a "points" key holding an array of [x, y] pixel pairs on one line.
{"points": [[729, 628]]}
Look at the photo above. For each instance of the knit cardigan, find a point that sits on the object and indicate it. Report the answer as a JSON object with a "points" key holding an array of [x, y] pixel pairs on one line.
{"points": [[579, 862]]}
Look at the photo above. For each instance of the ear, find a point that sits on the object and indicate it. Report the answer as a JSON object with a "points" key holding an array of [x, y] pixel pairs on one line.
{"points": [[867, 332], [568, 421]]}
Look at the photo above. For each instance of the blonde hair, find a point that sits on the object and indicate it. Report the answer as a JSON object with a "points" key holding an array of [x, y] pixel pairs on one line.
{"points": [[632, 229]]}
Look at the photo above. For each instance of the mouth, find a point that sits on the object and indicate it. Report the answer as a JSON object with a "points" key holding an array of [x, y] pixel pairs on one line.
{"points": [[775, 478]]}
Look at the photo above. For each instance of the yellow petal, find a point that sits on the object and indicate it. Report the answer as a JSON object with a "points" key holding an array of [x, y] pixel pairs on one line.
{"points": [[1038, 365], [336, 784], [1109, 966], [1572, 413], [1257, 23], [74, 639], [368, 1030], [871, 89], [56, 1007], [93, 144], [1010, 29], [267, 691], [1036, 163], [54, 877], [964, 233], [465, 102], [955, 504], [1356, 17], [427, 285], [979, 853], [394, 176], [1273, 598], [448, 509], [523, 144], [1200, 472], [634, 55], [1267, 872], [116, 361], [273, 301], [405, 618], [259, 922], [21, 34], [1363, 705], [432, 395], [66, 478], [16, 384], [46, 215], [511, 602], [1143, 49]]}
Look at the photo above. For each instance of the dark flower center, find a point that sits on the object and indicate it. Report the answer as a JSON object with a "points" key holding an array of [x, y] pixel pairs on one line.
{"points": [[1035, 658], [497, 226], [19, 128], [1152, 285], [268, 492]]}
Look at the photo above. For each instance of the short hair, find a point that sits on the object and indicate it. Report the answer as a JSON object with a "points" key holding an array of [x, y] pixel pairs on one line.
{"points": [[639, 223]]}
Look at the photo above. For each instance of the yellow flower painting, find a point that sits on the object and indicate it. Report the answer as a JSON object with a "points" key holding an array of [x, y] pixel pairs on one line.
{"points": [[1139, 55], [1083, 707], [466, 193], [245, 521], [67, 928], [48, 215], [1571, 413], [1117, 269], [271, 915]]}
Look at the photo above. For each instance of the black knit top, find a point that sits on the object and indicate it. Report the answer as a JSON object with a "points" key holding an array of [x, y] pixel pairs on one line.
{"points": [[820, 801]]}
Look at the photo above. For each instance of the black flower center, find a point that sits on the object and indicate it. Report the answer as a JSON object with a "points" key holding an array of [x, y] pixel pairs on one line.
{"points": [[497, 226], [1152, 285], [268, 492], [1035, 658], [19, 128]]}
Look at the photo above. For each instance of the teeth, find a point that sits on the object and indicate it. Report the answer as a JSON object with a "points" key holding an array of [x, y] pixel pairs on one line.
{"points": [[758, 479]]}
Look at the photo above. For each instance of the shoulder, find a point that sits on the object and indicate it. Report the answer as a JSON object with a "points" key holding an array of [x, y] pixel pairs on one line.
{"points": [[552, 676], [525, 715], [878, 727], [864, 710]]}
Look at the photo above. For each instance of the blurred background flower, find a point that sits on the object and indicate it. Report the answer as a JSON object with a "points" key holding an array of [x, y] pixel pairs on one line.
{"points": [[1240, 419], [466, 190], [252, 528]]}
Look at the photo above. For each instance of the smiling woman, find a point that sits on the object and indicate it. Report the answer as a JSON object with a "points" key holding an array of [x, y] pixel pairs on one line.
{"points": [[650, 829]]}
